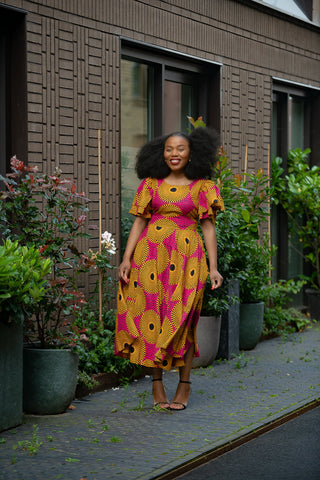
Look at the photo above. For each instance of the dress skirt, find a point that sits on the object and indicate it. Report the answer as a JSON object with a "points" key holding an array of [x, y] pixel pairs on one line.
{"points": [[158, 310]]}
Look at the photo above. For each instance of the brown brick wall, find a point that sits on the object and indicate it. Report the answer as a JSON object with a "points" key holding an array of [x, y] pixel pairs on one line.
{"points": [[73, 71], [73, 91]]}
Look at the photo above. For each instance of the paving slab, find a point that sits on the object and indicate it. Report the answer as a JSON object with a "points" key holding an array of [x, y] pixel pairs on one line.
{"points": [[117, 434]]}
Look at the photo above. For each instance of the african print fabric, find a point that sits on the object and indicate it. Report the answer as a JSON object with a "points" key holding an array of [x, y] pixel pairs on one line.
{"points": [[158, 310]]}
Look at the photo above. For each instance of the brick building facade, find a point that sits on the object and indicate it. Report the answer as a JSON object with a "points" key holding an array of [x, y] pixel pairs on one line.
{"points": [[251, 70]]}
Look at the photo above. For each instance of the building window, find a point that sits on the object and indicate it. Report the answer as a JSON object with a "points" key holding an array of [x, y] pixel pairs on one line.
{"points": [[158, 92], [294, 116], [13, 110], [136, 122], [302, 9]]}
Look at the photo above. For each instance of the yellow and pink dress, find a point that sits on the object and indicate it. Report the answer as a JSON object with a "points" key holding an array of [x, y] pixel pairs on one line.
{"points": [[158, 310]]}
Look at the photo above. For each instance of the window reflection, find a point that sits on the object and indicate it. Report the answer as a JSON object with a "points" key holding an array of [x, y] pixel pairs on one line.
{"points": [[178, 100], [288, 6], [135, 107]]}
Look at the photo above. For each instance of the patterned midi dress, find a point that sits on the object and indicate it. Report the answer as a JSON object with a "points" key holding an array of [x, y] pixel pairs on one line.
{"points": [[158, 310]]}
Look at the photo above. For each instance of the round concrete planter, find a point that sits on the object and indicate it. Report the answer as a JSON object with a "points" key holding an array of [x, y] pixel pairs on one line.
{"points": [[49, 380], [208, 337], [313, 303], [251, 324]]}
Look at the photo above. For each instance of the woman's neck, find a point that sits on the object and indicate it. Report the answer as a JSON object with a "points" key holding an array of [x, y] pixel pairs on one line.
{"points": [[177, 179]]}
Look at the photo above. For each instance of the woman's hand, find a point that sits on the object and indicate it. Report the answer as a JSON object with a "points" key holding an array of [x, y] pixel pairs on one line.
{"points": [[216, 279], [137, 228], [124, 270]]}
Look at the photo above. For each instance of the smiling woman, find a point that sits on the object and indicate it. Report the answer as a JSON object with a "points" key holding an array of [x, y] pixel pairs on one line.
{"points": [[173, 197]]}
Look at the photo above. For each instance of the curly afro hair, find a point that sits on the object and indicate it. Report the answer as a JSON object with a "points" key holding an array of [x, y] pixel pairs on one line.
{"points": [[203, 144]]}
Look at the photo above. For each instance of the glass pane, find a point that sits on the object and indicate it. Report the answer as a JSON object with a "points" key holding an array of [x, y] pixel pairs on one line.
{"points": [[295, 260], [274, 137], [297, 123], [178, 103], [135, 124], [288, 6]]}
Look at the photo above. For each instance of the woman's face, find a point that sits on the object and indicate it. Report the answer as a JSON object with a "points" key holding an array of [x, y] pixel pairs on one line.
{"points": [[176, 153]]}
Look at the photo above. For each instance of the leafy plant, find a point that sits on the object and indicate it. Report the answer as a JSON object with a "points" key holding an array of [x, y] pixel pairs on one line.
{"points": [[278, 317], [241, 253], [196, 123], [96, 355], [33, 445], [46, 212], [86, 380], [299, 194], [23, 283], [240, 361]]}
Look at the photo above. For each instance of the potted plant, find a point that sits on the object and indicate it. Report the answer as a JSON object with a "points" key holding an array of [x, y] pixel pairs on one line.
{"points": [[244, 256], [279, 317], [254, 277], [22, 286], [298, 193], [46, 212]]}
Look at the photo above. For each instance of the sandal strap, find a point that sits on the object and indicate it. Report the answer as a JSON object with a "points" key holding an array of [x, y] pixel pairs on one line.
{"points": [[157, 379], [184, 381], [184, 406]]}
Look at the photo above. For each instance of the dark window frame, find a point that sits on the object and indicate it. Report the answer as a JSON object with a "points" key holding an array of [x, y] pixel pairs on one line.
{"points": [[167, 65], [13, 85], [281, 94]]}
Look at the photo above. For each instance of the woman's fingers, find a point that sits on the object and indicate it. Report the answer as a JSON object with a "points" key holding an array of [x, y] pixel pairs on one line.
{"points": [[124, 272], [216, 280]]}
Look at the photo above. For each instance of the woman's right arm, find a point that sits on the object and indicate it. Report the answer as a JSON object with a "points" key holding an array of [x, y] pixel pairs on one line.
{"points": [[138, 226]]}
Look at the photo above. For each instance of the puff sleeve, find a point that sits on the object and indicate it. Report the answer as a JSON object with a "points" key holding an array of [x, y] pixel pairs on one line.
{"points": [[141, 205], [209, 201]]}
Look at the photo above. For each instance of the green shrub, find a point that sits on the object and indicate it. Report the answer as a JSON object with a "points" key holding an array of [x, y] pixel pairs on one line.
{"points": [[278, 317], [97, 354], [23, 282]]}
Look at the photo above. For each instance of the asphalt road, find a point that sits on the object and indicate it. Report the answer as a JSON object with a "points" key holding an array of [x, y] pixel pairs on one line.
{"points": [[289, 452]]}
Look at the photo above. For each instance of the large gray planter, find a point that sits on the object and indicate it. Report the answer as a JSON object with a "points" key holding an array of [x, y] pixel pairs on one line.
{"points": [[49, 380], [208, 336], [251, 324], [10, 375]]}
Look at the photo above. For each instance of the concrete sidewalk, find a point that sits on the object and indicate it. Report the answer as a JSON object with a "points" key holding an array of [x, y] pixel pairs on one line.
{"points": [[117, 435]]}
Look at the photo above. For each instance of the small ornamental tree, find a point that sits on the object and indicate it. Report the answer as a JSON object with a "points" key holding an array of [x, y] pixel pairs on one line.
{"points": [[46, 211]]}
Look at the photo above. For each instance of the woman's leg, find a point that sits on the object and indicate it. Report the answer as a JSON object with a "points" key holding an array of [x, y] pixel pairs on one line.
{"points": [[181, 397], [159, 394]]}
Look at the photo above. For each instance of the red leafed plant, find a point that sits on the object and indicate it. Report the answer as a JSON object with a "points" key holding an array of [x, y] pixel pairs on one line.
{"points": [[47, 211]]}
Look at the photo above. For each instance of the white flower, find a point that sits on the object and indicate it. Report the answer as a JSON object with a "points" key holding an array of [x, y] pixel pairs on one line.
{"points": [[108, 241]]}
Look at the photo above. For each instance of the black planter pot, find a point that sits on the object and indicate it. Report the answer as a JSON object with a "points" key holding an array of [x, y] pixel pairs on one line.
{"points": [[11, 347], [251, 324], [313, 303], [49, 380]]}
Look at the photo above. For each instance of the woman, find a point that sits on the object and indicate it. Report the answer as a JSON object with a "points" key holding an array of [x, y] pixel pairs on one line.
{"points": [[164, 269]]}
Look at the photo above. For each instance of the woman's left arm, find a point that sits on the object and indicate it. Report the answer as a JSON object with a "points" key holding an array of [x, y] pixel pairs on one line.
{"points": [[210, 240]]}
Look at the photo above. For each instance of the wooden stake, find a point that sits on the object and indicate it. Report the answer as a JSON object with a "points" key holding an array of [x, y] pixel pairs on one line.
{"points": [[100, 227], [246, 160]]}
